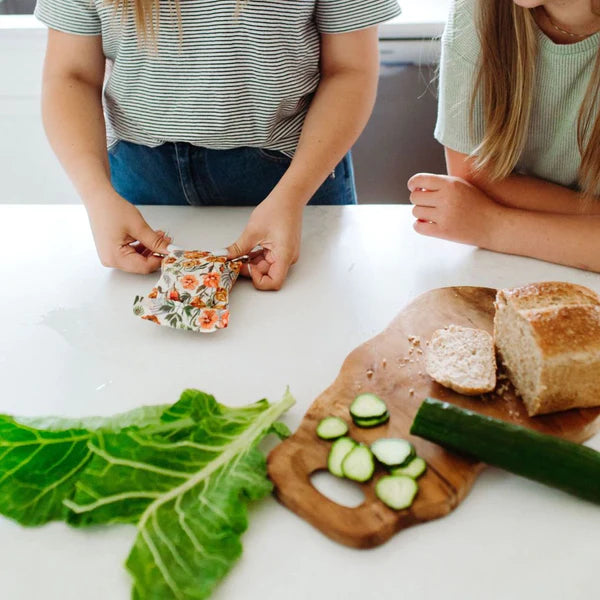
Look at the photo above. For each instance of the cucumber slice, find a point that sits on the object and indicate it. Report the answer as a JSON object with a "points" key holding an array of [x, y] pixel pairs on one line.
{"points": [[544, 458], [338, 452], [414, 469], [393, 452], [331, 428], [367, 406], [396, 491], [372, 422], [359, 464]]}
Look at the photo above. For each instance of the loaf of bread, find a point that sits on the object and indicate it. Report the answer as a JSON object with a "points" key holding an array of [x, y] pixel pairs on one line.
{"points": [[462, 359], [548, 337]]}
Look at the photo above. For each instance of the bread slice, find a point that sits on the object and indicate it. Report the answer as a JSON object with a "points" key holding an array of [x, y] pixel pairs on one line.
{"points": [[548, 337], [462, 359]]}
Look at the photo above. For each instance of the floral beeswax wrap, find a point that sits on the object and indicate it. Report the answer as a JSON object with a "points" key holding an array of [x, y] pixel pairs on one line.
{"points": [[192, 292]]}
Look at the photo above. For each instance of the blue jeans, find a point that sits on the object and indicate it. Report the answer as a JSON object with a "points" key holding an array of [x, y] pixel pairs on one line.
{"points": [[179, 173]]}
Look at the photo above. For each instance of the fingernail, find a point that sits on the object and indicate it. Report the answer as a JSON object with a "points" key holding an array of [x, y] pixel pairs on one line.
{"points": [[249, 270]]}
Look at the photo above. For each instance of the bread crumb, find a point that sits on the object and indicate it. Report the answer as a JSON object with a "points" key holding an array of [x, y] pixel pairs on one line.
{"points": [[419, 351], [411, 392], [384, 362], [370, 373], [415, 340], [502, 388]]}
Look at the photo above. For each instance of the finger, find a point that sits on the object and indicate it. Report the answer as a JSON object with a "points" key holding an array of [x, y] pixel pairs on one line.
{"points": [[426, 228], [133, 262], [273, 279], [155, 241], [425, 181], [258, 263], [242, 246], [261, 266], [425, 213], [424, 198]]}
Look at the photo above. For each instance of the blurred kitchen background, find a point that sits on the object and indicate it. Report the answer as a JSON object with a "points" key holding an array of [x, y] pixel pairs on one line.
{"points": [[397, 142]]}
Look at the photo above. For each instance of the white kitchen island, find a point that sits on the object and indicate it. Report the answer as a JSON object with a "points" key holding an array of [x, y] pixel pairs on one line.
{"points": [[71, 346]]}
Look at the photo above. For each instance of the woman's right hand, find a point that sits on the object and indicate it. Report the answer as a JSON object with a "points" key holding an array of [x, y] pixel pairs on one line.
{"points": [[123, 238]]}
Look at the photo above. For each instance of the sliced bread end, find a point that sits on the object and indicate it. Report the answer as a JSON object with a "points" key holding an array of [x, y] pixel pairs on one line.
{"points": [[462, 359]]}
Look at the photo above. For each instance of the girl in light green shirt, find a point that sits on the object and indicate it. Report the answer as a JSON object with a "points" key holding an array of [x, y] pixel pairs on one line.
{"points": [[519, 119]]}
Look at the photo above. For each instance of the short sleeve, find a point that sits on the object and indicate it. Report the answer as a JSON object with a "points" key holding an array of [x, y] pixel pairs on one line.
{"points": [[70, 16], [458, 68], [341, 16]]}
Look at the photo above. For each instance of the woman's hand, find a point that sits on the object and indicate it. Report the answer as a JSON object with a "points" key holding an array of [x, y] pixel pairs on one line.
{"points": [[453, 209], [123, 238], [276, 225]]}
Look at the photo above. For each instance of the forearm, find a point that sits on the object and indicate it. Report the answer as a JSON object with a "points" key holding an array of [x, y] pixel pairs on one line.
{"points": [[74, 123], [338, 113], [521, 191], [531, 193], [572, 240]]}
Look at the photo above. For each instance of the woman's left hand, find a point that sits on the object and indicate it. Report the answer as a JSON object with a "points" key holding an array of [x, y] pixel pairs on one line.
{"points": [[276, 225], [453, 209]]}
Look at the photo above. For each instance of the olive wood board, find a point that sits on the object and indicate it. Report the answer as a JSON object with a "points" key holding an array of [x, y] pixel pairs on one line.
{"points": [[391, 365]]}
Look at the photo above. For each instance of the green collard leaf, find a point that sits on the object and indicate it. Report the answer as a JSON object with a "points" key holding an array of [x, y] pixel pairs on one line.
{"points": [[188, 496], [194, 404], [281, 430], [138, 417], [183, 474], [38, 470], [41, 458]]}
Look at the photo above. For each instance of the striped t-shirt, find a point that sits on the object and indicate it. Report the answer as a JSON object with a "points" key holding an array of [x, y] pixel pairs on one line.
{"points": [[226, 78]]}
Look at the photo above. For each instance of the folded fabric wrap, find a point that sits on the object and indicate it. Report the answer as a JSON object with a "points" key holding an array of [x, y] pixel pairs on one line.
{"points": [[192, 292]]}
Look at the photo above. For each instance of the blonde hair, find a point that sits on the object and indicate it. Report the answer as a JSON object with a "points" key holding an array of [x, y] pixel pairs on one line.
{"points": [[505, 82], [147, 14]]}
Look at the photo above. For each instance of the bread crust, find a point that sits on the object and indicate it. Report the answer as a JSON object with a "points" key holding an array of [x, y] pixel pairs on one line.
{"points": [[547, 294], [564, 322]]}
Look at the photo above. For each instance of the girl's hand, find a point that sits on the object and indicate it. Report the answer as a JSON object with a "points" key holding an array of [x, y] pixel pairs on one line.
{"points": [[276, 225], [453, 209], [123, 238]]}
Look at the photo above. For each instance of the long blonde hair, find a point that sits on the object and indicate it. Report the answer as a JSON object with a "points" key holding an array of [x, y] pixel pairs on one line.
{"points": [[505, 82], [147, 13]]}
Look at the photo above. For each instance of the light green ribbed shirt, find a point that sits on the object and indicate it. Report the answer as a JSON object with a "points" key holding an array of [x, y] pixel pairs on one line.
{"points": [[562, 75]]}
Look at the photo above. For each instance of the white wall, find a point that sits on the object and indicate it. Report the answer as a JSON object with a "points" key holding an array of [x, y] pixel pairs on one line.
{"points": [[29, 170]]}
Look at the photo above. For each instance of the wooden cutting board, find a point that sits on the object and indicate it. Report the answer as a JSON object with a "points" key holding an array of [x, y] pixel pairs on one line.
{"points": [[392, 366]]}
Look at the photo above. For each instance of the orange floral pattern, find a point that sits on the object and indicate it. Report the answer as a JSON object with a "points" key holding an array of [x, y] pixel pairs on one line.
{"points": [[192, 292], [222, 295], [212, 279], [197, 302], [208, 319], [189, 282], [152, 318]]}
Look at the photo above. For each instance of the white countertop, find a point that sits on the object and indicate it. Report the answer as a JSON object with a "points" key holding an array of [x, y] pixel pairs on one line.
{"points": [[71, 346]]}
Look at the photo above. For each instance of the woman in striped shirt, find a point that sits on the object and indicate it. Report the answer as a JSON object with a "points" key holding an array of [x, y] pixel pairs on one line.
{"points": [[225, 102]]}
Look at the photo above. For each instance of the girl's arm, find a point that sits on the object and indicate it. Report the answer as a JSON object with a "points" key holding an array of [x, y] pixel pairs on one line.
{"points": [[74, 122], [338, 113], [452, 208], [521, 191]]}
